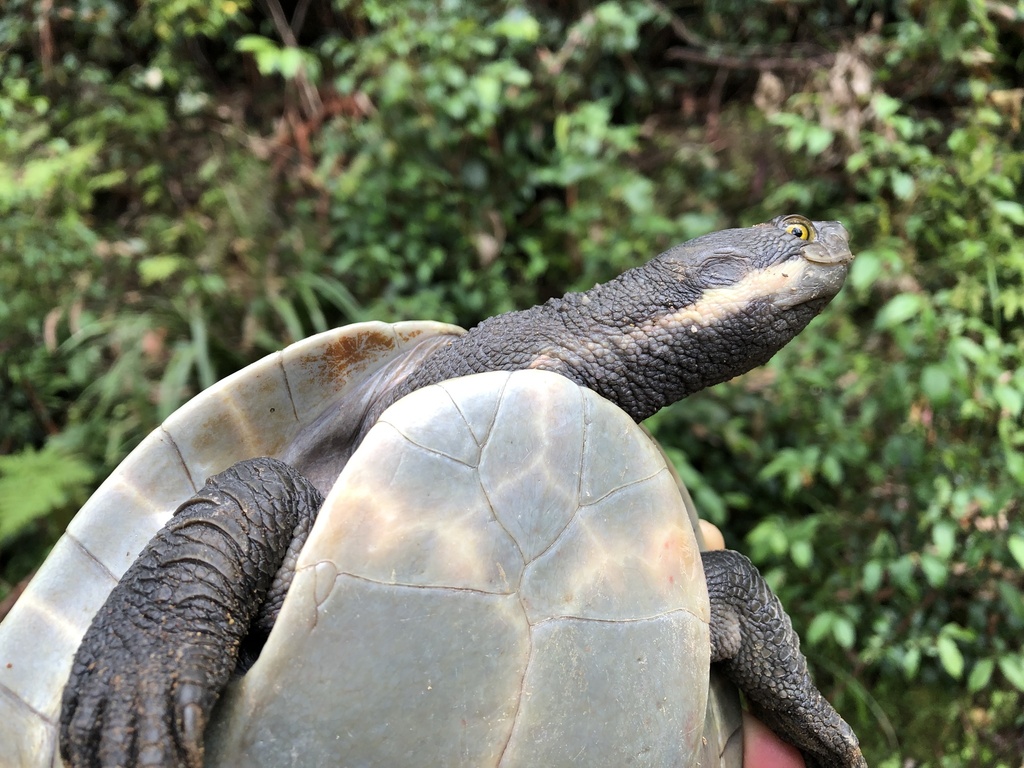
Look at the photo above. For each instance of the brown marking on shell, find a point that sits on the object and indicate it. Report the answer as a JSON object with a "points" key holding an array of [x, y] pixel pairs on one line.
{"points": [[337, 361], [409, 335], [209, 432], [673, 557]]}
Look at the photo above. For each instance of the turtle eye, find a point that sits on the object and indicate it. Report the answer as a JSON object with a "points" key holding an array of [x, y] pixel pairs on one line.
{"points": [[800, 227]]}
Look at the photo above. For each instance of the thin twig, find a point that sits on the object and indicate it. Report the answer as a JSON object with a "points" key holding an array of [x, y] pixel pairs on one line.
{"points": [[310, 95], [682, 31], [39, 409], [715, 103], [699, 52], [299, 17], [46, 46], [741, 62]]}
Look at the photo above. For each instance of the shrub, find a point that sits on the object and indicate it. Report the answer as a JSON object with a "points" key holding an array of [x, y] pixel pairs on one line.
{"points": [[185, 187]]}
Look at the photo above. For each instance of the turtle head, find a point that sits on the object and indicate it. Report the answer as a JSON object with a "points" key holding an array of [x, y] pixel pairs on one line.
{"points": [[787, 263], [709, 310]]}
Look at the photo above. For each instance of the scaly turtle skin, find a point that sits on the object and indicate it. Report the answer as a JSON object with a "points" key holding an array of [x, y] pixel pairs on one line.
{"points": [[164, 644]]}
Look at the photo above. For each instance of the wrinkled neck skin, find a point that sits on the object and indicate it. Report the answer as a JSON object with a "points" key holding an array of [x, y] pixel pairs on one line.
{"points": [[643, 341], [671, 343]]}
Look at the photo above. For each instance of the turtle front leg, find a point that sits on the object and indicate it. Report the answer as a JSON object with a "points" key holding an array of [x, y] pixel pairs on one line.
{"points": [[753, 640], [163, 646]]}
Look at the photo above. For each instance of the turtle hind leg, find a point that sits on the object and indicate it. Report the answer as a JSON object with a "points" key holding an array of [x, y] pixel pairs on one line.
{"points": [[753, 641], [160, 650], [265, 619]]}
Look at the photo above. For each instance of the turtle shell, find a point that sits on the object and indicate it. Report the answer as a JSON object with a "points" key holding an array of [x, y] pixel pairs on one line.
{"points": [[282, 402], [504, 573], [263, 410]]}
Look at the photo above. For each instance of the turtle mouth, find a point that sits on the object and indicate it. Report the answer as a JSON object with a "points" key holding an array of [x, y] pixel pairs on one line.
{"points": [[811, 281]]}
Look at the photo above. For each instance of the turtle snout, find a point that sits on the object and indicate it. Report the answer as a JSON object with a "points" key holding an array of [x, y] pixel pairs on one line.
{"points": [[831, 246]]}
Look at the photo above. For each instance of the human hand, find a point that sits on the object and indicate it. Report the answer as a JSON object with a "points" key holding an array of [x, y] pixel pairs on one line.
{"points": [[763, 749]]}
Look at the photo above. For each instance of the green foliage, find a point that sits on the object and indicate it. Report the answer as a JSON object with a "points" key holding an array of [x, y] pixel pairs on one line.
{"points": [[272, 58], [185, 187], [908, 453], [35, 483]]}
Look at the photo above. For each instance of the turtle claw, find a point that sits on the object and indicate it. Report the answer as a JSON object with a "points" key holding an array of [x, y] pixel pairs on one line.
{"points": [[193, 706], [78, 747], [120, 709], [117, 740], [193, 723], [120, 702], [825, 740]]}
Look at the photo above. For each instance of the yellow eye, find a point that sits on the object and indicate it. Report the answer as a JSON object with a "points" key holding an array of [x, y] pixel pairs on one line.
{"points": [[800, 227], [799, 230]]}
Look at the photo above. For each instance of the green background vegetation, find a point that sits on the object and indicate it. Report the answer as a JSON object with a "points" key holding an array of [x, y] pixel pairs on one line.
{"points": [[187, 185]]}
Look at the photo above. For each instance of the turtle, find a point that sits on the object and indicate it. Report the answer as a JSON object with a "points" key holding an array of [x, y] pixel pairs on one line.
{"points": [[185, 598]]}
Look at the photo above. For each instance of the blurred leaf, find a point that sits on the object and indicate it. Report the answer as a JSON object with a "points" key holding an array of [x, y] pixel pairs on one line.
{"points": [[1016, 546], [1010, 399], [872, 578], [802, 553], [35, 483], [1010, 210], [950, 656], [821, 625], [935, 570], [899, 310], [1012, 667], [156, 268], [944, 536], [844, 632], [518, 24], [936, 383], [903, 185], [980, 675], [866, 269]]}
